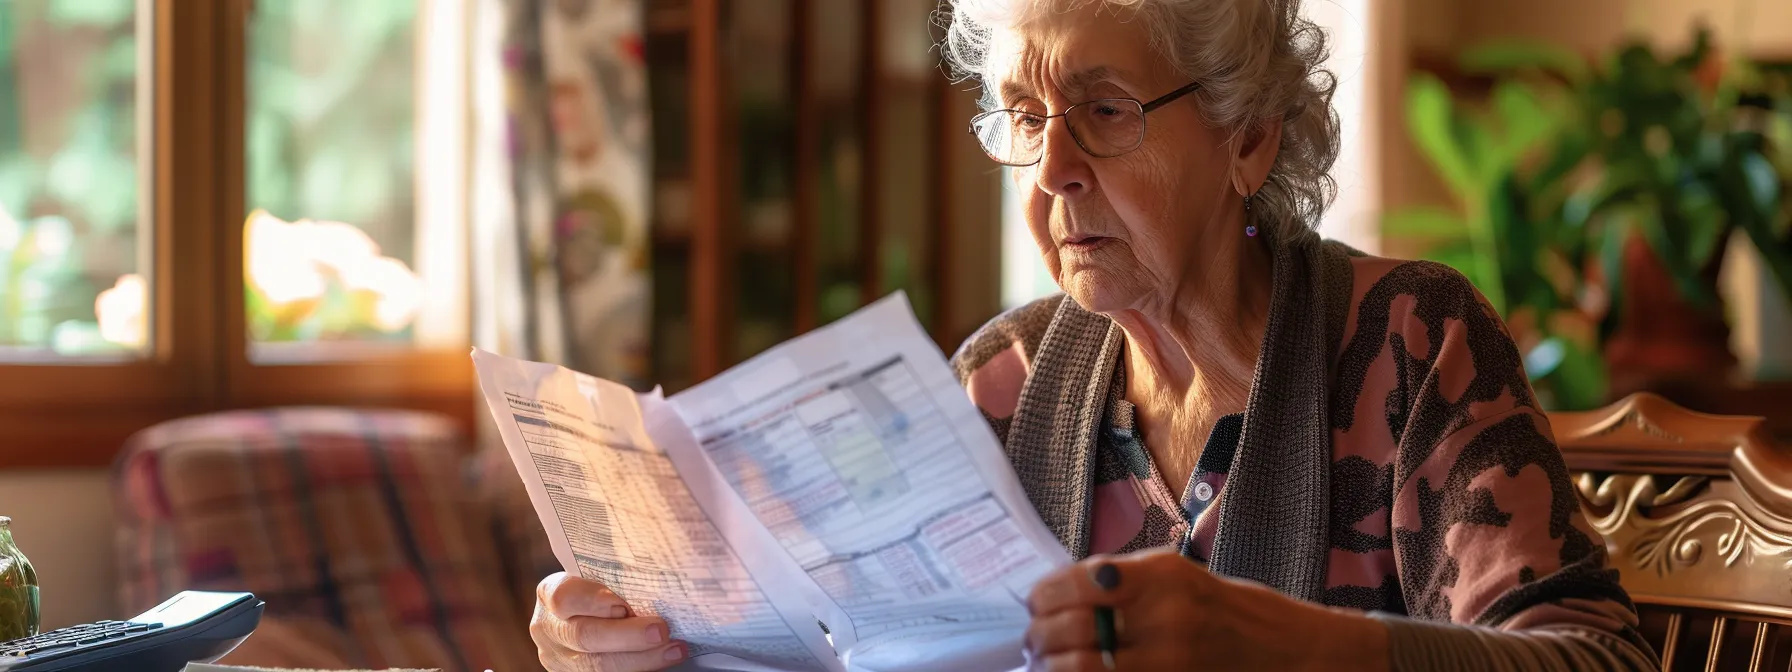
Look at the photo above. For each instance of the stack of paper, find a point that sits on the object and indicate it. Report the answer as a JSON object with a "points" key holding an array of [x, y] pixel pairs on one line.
{"points": [[842, 477]]}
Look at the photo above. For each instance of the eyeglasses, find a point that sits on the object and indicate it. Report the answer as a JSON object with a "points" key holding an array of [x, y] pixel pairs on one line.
{"points": [[1105, 128]]}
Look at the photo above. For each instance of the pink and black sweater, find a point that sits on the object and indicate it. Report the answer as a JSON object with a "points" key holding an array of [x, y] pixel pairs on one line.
{"points": [[1392, 459]]}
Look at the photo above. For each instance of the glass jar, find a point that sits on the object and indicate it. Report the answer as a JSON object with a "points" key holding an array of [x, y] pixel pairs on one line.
{"points": [[18, 589]]}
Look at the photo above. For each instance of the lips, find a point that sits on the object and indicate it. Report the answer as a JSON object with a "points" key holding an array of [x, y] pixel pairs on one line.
{"points": [[1085, 243]]}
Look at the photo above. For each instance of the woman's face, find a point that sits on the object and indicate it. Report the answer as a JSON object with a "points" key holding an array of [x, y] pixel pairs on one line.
{"points": [[1134, 230]]}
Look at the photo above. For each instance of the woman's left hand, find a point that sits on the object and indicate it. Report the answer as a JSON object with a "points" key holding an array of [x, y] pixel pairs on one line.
{"points": [[1172, 614]]}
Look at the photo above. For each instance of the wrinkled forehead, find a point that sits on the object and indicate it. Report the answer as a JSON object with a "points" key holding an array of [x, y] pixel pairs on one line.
{"points": [[1064, 54]]}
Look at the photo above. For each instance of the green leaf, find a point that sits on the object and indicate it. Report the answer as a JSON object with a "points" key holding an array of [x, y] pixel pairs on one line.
{"points": [[1505, 56], [1505, 244], [1525, 120], [1696, 217], [1660, 235], [1613, 237], [1580, 380], [1432, 120], [1569, 151], [1762, 181], [1423, 222], [1618, 189], [1461, 256]]}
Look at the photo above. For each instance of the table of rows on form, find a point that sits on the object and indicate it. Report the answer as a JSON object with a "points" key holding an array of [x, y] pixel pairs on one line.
{"points": [[863, 479], [634, 527]]}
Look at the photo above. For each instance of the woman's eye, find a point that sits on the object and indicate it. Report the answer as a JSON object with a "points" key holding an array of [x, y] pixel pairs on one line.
{"points": [[1108, 111], [1028, 122]]}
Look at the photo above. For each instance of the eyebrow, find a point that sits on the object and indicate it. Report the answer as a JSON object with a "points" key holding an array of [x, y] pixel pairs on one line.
{"points": [[1074, 83], [1077, 82]]}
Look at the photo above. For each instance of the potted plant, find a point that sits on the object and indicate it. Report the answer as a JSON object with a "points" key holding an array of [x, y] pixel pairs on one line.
{"points": [[1596, 204], [1684, 161]]}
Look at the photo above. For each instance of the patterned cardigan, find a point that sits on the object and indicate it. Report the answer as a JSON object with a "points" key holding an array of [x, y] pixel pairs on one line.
{"points": [[1393, 459]]}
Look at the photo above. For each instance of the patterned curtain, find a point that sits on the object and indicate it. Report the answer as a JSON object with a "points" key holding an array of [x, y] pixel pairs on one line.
{"points": [[562, 267]]}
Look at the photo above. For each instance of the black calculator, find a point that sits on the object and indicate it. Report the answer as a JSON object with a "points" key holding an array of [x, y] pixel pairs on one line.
{"points": [[192, 627]]}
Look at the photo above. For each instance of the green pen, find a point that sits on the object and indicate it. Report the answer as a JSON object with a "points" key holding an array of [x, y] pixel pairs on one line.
{"points": [[1107, 627], [1106, 639]]}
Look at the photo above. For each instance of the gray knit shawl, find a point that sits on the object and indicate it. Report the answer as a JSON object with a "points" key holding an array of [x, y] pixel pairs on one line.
{"points": [[1275, 516]]}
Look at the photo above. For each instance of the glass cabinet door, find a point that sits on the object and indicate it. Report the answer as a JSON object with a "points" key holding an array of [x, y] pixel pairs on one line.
{"points": [[669, 88], [836, 75], [765, 294], [907, 66]]}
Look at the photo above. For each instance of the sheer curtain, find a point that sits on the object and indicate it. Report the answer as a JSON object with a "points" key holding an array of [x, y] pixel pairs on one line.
{"points": [[560, 205]]}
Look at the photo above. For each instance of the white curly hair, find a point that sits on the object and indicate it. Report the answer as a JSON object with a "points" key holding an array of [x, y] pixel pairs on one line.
{"points": [[1256, 60]]}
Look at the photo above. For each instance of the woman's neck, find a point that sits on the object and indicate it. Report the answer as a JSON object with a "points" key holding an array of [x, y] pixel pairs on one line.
{"points": [[1191, 354]]}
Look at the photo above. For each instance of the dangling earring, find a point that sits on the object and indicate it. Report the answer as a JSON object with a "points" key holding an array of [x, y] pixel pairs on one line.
{"points": [[1249, 229]]}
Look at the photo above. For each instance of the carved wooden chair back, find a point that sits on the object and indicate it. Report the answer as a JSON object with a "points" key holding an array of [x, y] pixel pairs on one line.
{"points": [[1696, 510]]}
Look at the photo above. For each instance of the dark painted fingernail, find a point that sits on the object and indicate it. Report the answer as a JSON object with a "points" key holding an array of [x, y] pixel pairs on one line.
{"points": [[1107, 576], [675, 652]]}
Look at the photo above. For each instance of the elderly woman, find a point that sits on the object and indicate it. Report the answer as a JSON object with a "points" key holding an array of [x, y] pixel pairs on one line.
{"points": [[1345, 446]]}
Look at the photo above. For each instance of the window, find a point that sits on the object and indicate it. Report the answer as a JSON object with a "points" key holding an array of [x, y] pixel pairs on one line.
{"points": [[336, 241], [1024, 274], [72, 116], [328, 244], [195, 217], [1353, 217], [349, 147]]}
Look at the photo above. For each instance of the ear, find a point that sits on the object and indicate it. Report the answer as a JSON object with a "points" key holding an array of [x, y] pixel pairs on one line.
{"points": [[1257, 151]]}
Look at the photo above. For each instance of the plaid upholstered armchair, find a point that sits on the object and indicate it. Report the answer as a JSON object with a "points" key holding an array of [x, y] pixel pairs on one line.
{"points": [[377, 538]]}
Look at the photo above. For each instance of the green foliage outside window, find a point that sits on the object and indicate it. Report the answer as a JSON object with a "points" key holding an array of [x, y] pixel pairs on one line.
{"points": [[330, 137], [68, 170]]}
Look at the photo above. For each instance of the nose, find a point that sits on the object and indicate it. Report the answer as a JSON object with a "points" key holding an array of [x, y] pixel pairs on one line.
{"points": [[1063, 169]]}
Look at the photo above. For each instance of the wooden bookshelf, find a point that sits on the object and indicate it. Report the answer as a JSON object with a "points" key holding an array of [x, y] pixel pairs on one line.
{"points": [[788, 187]]}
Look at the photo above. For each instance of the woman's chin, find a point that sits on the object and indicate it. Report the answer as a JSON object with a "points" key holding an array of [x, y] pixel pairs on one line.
{"points": [[1096, 290]]}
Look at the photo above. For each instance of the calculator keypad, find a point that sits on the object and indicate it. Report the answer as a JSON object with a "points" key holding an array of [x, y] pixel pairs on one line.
{"points": [[72, 636]]}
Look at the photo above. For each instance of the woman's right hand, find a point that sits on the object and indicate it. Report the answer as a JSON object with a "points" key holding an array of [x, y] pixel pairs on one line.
{"points": [[580, 626]]}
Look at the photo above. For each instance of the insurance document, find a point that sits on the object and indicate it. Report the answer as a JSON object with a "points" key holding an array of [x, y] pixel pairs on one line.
{"points": [[841, 480]]}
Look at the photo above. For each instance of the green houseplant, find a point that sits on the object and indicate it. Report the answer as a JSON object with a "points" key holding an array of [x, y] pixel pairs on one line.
{"points": [[1568, 175], [1504, 162]]}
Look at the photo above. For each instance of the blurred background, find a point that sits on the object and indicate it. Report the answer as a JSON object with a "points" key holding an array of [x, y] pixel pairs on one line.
{"points": [[211, 208]]}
